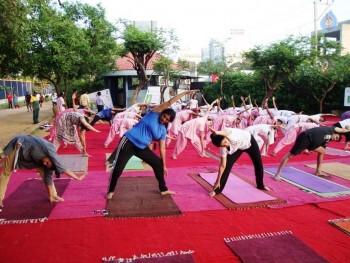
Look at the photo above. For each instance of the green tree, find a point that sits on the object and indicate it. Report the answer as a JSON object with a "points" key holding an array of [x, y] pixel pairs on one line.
{"points": [[141, 46], [321, 78], [170, 71], [13, 36], [216, 68], [278, 61], [72, 42], [163, 67]]}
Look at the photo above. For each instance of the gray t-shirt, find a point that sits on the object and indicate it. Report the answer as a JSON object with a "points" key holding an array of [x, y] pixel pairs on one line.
{"points": [[33, 149]]}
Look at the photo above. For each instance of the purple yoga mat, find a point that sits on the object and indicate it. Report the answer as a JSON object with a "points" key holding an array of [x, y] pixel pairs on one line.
{"points": [[237, 190], [333, 151], [309, 181]]}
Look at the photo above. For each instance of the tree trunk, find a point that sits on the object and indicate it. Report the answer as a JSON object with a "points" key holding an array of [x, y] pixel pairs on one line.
{"points": [[321, 106], [162, 91], [270, 90], [137, 91]]}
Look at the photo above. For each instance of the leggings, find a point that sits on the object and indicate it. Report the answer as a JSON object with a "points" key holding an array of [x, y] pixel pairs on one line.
{"points": [[125, 150], [254, 154]]}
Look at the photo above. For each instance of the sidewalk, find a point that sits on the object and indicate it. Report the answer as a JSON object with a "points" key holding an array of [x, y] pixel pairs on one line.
{"points": [[20, 121]]}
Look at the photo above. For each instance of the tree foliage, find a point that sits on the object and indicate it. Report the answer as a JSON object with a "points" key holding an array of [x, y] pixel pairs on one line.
{"points": [[140, 48], [13, 36], [56, 43], [275, 63]]}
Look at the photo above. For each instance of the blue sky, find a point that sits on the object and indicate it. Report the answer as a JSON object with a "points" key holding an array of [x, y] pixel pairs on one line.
{"points": [[196, 22]]}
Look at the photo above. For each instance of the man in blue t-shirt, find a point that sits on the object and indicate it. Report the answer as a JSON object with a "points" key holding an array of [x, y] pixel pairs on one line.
{"points": [[106, 115]]}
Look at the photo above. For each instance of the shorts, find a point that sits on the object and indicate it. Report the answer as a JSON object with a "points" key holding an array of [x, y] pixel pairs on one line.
{"points": [[301, 143]]}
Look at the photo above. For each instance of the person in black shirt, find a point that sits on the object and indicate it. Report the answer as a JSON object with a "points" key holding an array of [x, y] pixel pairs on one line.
{"points": [[315, 139]]}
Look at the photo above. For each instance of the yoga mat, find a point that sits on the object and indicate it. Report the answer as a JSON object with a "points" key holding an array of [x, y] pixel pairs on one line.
{"points": [[237, 194], [342, 223], [334, 151], [159, 257], [336, 168], [281, 247], [85, 198], [30, 201], [311, 183], [134, 163], [75, 162], [140, 197]]}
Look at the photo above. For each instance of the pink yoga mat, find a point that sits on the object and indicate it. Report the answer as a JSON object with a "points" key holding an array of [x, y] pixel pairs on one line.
{"points": [[239, 191]]}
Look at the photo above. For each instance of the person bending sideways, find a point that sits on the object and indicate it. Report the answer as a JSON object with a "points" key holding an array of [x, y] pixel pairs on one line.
{"points": [[314, 139], [135, 142], [29, 152], [233, 142]]}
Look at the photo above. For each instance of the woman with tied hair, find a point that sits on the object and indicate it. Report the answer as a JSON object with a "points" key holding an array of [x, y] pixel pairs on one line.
{"points": [[233, 142], [152, 127]]}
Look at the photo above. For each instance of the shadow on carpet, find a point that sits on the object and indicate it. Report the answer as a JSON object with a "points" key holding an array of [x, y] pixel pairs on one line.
{"points": [[140, 197], [29, 202]]}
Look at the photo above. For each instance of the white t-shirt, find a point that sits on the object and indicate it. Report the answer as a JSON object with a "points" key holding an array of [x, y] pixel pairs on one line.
{"points": [[238, 139]]}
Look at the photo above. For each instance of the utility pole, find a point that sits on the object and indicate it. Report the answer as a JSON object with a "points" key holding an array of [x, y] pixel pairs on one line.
{"points": [[328, 3]]}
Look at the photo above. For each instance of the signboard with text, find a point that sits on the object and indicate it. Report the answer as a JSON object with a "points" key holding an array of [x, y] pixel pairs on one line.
{"points": [[106, 96], [347, 96]]}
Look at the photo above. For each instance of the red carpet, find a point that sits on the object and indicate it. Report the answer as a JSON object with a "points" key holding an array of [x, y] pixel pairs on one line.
{"points": [[202, 228]]}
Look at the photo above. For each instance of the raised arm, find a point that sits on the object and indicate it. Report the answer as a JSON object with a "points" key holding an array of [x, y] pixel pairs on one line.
{"points": [[233, 101], [168, 103], [274, 103], [243, 103], [205, 101], [209, 108]]}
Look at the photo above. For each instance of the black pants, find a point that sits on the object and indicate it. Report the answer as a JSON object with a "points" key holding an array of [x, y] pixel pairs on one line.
{"points": [[97, 118], [121, 155], [254, 153], [100, 108]]}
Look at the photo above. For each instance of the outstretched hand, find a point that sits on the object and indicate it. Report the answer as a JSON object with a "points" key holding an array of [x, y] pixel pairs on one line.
{"points": [[212, 130], [216, 185]]}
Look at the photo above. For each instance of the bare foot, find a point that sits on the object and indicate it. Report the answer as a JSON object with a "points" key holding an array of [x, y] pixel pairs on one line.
{"points": [[173, 157], [212, 194], [86, 155], [273, 154], [56, 199], [204, 156], [109, 196], [322, 174], [265, 189], [168, 192], [277, 177]]}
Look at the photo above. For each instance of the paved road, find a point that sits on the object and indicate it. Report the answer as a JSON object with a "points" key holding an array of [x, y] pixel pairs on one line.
{"points": [[20, 121]]}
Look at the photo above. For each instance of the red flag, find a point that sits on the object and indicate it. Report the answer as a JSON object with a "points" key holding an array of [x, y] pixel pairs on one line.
{"points": [[214, 77]]}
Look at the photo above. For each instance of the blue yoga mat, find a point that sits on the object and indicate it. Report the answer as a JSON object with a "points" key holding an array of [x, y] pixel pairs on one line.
{"points": [[310, 182]]}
